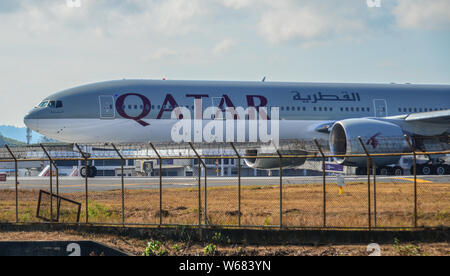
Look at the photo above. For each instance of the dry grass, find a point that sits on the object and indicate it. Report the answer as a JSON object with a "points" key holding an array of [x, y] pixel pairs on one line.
{"points": [[260, 205], [136, 246]]}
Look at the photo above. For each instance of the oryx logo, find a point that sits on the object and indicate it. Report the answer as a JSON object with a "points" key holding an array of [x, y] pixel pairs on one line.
{"points": [[373, 140], [374, 3], [73, 3], [145, 110]]}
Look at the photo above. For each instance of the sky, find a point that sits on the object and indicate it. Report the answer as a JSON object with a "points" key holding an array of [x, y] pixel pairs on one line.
{"points": [[51, 45]]}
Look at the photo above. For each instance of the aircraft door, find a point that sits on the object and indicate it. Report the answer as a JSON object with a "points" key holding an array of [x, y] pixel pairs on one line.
{"points": [[380, 106], [107, 108]]}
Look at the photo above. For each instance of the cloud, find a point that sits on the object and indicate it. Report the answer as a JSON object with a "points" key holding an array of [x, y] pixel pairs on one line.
{"points": [[8, 6], [238, 4], [168, 17], [223, 46], [423, 14], [162, 53], [311, 21]]}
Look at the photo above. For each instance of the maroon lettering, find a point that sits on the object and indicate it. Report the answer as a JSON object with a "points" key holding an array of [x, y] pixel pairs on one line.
{"points": [[251, 101], [199, 96], [262, 103], [169, 105], [227, 101], [145, 111]]}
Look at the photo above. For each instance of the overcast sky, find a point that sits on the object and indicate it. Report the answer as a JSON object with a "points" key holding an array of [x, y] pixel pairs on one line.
{"points": [[51, 45]]}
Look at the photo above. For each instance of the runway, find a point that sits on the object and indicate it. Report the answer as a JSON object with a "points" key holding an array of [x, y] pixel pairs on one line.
{"points": [[77, 184]]}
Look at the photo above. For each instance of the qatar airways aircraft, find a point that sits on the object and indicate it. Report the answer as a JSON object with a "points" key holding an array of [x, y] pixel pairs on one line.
{"points": [[160, 111]]}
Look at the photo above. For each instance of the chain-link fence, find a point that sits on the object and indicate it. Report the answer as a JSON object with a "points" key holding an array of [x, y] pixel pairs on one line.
{"points": [[154, 186]]}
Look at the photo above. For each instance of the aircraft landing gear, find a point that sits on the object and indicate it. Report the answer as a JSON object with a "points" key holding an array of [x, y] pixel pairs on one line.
{"points": [[384, 171], [361, 171], [429, 169], [92, 171], [397, 171]]}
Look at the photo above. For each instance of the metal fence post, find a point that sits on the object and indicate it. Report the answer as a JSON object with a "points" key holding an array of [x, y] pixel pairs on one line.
{"points": [[160, 182], [51, 162], [374, 172], [415, 178], [85, 157], [201, 163], [239, 183], [16, 181], [122, 182], [324, 183], [369, 161], [281, 188]]}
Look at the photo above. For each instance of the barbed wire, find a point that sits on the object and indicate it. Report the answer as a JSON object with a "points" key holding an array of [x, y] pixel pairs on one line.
{"points": [[374, 145]]}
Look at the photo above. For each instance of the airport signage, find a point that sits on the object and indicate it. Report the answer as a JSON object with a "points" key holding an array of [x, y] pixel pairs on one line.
{"points": [[334, 167], [2, 177]]}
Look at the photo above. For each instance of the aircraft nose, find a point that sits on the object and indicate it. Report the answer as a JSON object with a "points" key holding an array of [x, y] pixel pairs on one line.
{"points": [[31, 120]]}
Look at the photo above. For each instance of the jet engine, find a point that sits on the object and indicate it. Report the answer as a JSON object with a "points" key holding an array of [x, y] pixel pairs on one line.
{"points": [[267, 163], [378, 136]]}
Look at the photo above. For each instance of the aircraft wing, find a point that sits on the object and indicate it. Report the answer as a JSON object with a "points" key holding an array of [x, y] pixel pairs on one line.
{"points": [[434, 117]]}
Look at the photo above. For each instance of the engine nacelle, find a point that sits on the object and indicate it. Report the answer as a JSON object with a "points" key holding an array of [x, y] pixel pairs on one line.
{"points": [[378, 136], [273, 163]]}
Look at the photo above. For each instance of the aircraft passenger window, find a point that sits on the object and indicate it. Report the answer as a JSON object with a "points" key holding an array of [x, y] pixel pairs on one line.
{"points": [[293, 108], [352, 109], [287, 108], [331, 109], [420, 109], [304, 108], [282, 108], [399, 109], [368, 109], [346, 109], [404, 109], [363, 109], [342, 109], [314, 108], [357, 109], [298, 108], [325, 109], [426, 109], [415, 109]]}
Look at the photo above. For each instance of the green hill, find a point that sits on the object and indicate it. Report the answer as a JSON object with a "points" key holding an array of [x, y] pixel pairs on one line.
{"points": [[10, 142]]}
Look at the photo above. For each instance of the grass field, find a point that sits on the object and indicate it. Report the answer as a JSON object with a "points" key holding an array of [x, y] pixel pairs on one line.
{"points": [[302, 205]]}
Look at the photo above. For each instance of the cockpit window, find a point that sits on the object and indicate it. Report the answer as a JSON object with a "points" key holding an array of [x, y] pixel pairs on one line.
{"points": [[43, 104], [50, 104]]}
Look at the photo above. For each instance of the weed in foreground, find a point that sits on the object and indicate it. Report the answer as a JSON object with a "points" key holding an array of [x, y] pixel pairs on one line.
{"points": [[154, 248]]}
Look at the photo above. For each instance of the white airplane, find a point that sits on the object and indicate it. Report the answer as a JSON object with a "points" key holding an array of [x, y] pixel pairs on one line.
{"points": [[254, 113]]}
